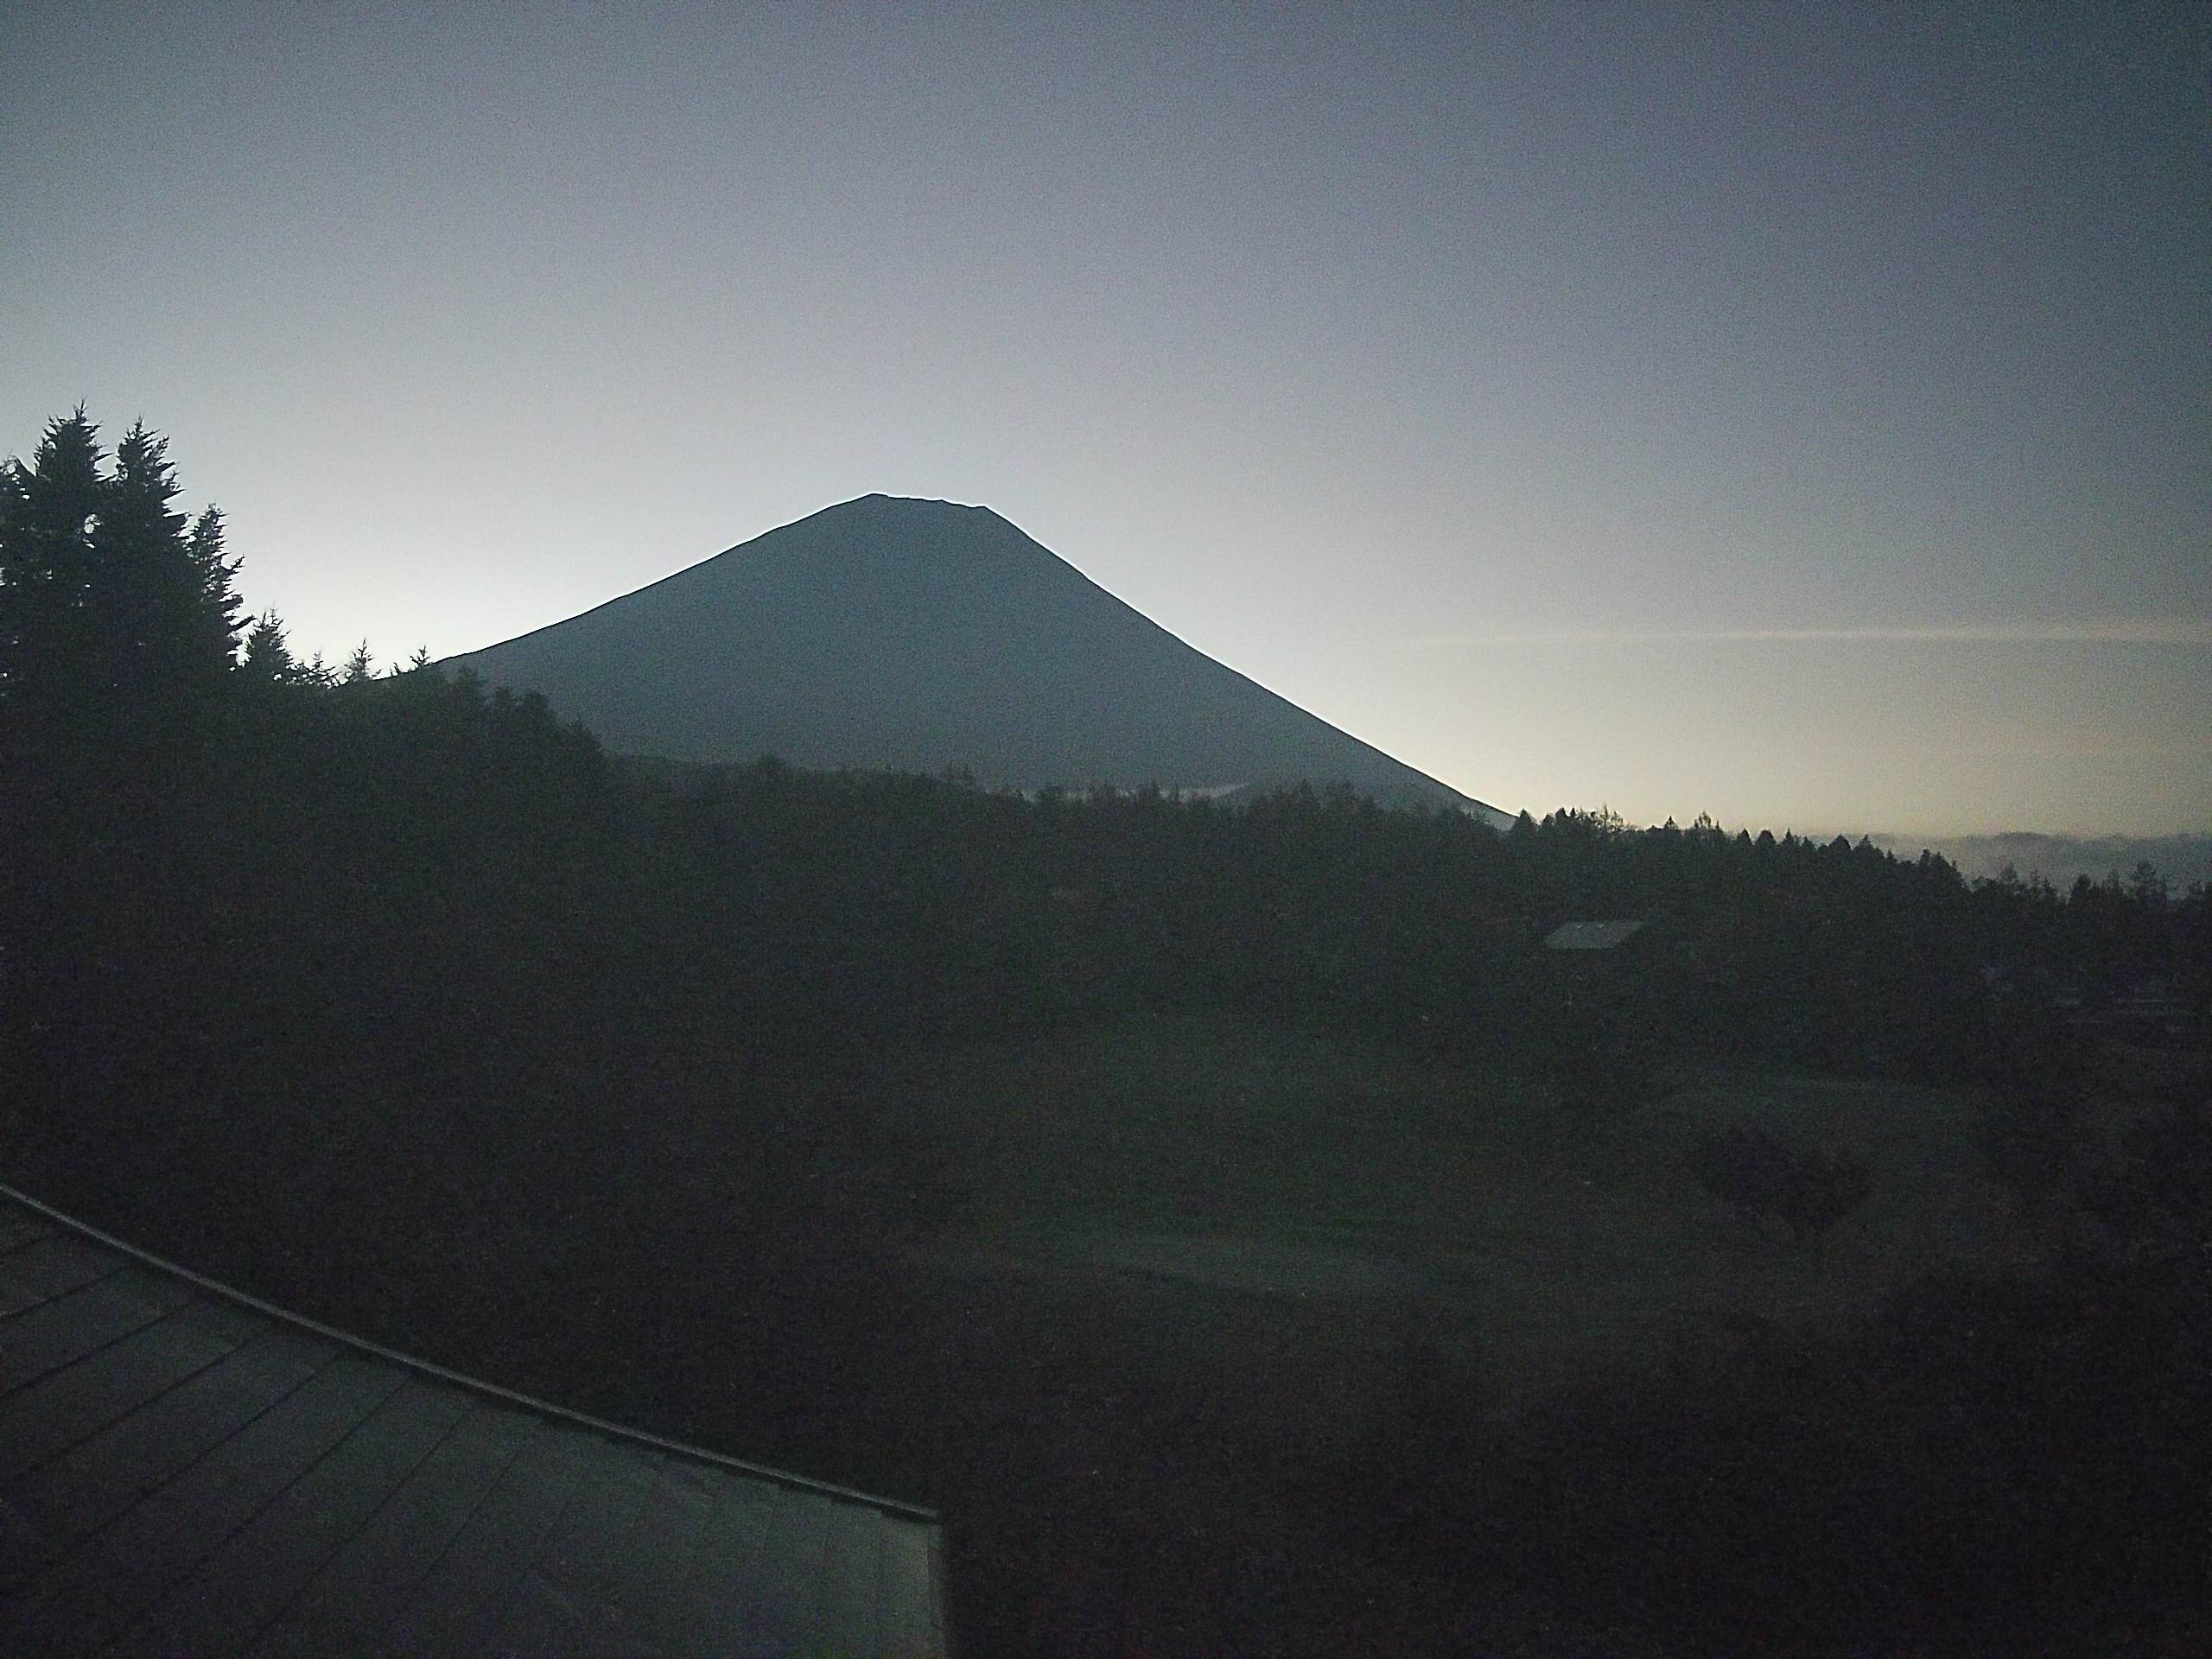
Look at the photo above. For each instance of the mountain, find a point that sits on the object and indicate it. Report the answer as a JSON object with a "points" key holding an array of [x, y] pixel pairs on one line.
{"points": [[917, 635]]}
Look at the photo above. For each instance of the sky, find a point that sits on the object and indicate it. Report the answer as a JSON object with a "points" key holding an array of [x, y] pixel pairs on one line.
{"points": [[1797, 413]]}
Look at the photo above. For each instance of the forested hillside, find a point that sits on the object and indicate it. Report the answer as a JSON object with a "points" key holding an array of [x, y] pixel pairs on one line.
{"points": [[888, 633], [333, 979]]}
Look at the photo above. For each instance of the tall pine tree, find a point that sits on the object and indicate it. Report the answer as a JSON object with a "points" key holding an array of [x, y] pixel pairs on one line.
{"points": [[49, 510], [118, 627], [116, 612], [268, 658]]}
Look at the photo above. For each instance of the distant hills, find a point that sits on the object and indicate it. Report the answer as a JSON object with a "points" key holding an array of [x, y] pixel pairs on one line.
{"points": [[2058, 859], [912, 635]]}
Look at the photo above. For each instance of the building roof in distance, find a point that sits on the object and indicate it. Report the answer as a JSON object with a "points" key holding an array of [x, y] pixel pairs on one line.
{"points": [[1589, 936], [186, 1470]]}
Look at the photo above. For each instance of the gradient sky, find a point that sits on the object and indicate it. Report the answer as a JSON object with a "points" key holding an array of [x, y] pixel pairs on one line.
{"points": [[1798, 413]]}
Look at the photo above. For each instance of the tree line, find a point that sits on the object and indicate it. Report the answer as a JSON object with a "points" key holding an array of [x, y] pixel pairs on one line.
{"points": [[218, 856], [389, 962]]}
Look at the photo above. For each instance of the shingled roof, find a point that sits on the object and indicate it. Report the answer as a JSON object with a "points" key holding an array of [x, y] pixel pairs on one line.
{"points": [[184, 1470]]}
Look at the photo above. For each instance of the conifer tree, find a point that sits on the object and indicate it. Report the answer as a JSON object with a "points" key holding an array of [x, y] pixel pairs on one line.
{"points": [[114, 611], [146, 596], [268, 658], [222, 610], [48, 512]]}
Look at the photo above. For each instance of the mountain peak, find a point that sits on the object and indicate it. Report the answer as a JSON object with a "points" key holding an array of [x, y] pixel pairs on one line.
{"points": [[917, 506], [909, 634]]}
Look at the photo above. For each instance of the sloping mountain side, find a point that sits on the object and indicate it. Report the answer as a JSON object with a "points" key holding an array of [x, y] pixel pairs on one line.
{"points": [[914, 635]]}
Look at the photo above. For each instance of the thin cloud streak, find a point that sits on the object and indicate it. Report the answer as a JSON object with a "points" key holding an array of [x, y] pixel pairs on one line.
{"points": [[2152, 631]]}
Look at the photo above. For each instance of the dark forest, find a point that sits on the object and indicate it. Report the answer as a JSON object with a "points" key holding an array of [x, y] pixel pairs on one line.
{"points": [[373, 993]]}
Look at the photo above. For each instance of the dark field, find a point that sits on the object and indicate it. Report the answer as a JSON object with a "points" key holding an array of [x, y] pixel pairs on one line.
{"points": [[1206, 1335]]}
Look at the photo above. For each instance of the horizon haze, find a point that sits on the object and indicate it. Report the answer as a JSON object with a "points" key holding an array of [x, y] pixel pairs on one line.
{"points": [[1795, 413]]}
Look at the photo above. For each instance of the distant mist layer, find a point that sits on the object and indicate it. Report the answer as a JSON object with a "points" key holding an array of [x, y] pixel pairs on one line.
{"points": [[2059, 859]]}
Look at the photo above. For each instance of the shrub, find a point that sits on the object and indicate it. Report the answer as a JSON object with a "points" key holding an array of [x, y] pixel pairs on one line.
{"points": [[1763, 1175], [2030, 1136], [2156, 1198]]}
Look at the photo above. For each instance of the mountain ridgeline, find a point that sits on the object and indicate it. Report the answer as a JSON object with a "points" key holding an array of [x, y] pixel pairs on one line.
{"points": [[792, 1111], [888, 633]]}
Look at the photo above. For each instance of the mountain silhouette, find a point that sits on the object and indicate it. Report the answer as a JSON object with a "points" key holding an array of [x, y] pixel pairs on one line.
{"points": [[888, 633]]}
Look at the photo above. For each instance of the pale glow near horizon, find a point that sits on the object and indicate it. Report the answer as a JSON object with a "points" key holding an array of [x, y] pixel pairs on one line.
{"points": [[1790, 413]]}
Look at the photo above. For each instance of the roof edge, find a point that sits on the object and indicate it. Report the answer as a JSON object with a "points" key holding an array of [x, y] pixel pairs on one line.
{"points": [[475, 1385]]}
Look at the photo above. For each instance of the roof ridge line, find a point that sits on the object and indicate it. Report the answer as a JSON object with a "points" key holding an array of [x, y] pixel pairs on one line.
{"points": [[475, 1384]]}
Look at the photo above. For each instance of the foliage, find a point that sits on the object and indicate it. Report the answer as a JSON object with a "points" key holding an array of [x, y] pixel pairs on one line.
{"points": [[2030, 1136], [421, 858], [2155, 1198], [117, 615], [267, 658], [1764, 1176], [1996, 1465], [412, 942]]}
